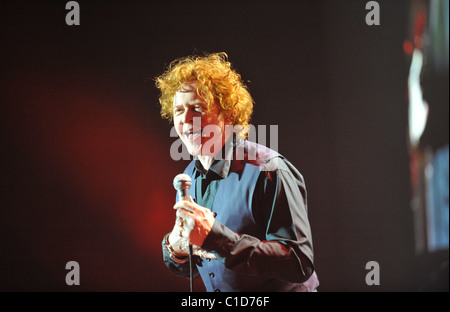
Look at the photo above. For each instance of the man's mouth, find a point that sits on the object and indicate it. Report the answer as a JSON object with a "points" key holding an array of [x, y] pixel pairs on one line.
{"points": [[192, 135]]}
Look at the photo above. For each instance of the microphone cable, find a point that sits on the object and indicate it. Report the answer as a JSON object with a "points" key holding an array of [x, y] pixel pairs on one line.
{"points": [[191, 278]]}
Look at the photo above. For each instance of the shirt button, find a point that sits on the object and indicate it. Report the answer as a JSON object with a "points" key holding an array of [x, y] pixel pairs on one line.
{"points": [[217, 290], [211, 274]]}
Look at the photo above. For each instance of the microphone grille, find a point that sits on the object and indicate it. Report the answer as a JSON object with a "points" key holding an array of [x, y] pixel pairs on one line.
{"points": [[182, 181]]}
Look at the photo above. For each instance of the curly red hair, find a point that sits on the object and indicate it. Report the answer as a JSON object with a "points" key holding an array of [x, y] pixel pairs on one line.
{"points": [[217, 82]]}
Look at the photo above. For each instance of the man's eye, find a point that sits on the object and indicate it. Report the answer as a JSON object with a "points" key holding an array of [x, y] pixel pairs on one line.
{"points": [[178, 110], [198, 108]]}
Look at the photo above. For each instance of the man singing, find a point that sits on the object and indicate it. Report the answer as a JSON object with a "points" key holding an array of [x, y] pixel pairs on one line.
{"points": [[247, 216]]}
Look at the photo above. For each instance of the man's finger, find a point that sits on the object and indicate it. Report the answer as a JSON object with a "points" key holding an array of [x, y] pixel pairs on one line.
{"points": [[203, 253], [184, 214], [184, 205]]}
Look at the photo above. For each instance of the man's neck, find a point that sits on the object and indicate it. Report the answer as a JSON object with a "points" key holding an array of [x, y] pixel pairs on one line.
{"points": [[206, 161]]}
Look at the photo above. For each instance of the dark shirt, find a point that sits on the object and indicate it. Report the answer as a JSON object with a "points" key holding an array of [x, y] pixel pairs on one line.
{"points": [[281, 248]]}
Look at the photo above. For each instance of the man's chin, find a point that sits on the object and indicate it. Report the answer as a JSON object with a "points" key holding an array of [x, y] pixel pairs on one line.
{"points": [[198, 151], [194, 150], [207, 148]]}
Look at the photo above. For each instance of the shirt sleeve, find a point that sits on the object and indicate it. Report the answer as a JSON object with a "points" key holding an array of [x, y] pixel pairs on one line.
{"points": [[280, 206]]}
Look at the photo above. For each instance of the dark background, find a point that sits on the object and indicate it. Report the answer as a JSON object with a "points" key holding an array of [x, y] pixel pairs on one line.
{"points": [[86, 170]]}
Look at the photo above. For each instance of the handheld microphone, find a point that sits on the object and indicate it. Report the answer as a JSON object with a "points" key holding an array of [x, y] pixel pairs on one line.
{"points": [[182, 183]]}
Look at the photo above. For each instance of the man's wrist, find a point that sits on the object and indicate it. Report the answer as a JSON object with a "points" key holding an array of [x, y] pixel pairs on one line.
{"points": [[220, 240], [168, 249]]}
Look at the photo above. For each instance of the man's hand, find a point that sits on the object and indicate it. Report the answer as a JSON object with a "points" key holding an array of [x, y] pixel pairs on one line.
{"points": [[195, 221], [180, 247], [193, 224]]}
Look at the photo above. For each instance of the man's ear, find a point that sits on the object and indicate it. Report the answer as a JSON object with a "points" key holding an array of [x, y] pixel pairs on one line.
{"points": [[225, 120]]}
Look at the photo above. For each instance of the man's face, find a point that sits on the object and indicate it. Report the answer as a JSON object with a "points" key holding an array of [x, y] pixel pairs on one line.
{"points": [[200, 129]]}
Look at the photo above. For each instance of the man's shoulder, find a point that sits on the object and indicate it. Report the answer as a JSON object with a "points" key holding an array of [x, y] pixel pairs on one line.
{"points": [[266, 159]]}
